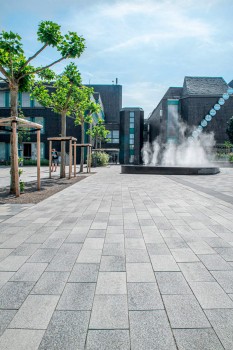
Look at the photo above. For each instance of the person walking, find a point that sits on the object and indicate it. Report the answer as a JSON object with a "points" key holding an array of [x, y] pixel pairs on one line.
{"points": [[54, 160]]}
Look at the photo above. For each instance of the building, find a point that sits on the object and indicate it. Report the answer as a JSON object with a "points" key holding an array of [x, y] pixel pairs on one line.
{"points": [[131, 135], [191, 103]]}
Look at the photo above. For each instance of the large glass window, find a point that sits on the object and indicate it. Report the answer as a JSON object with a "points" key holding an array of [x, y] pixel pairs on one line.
{"points": [[40, 120], [26, 102], [113, 136]]}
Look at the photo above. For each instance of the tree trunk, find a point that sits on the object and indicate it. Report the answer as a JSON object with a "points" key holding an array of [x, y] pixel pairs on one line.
{"points": [[82, 148], [14, 113], [63, 146]]}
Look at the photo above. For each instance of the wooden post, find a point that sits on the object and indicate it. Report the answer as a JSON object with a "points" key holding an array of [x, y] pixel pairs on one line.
{"points": [[15, 158], [74, 159], [90, 159], [50, 158], [70, 162], [38, 159]]}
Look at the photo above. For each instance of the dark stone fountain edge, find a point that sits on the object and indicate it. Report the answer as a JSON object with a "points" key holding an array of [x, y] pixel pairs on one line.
{"points": [[163, 170]]}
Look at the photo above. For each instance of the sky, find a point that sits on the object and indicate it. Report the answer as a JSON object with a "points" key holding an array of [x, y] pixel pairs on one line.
{"points": [[148, 45]]}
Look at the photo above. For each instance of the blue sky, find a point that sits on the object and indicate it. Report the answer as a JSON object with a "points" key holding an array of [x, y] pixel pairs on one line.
{"points": [[148, 44]]}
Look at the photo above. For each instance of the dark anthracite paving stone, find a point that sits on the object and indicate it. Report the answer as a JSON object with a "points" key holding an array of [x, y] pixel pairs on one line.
{"points": [[5, 318], [66, 331], [84, 273], [13, 294], [77, 296], [197, 339], [108, 339], [150, 330]]}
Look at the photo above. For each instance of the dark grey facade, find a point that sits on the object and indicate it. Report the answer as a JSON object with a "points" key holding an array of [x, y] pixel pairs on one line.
{"points": [[191, 103], [131, 135]]}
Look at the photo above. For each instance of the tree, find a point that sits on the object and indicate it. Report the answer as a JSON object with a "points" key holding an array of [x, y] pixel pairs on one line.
{"points": [[83, 114], [18, 73], [98, 133], [62, 97], [229, 129]]}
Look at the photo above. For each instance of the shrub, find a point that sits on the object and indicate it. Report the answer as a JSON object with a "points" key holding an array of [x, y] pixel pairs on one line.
{"points": [[31, 162], [230, 157], [100, 159]]}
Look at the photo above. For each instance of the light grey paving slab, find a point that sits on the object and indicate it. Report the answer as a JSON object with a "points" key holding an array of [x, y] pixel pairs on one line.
{"points": [[112, 263], [157, 249], [164, 263], [184, 255], [139, 272], [77, 296], [12, 263], [109, 312], [144, 296], [66, 331], [226, 253], [5, 252], [5, 318], [222, 322], [197, 339], [13, 294], [84, 273], [215, 262], [51, 283], [5, 277], [134, 243], [108, 339], [89, 256], [26, 249], [150, 330], [29, 272], [216, 242], [63, 261], [210, 295], [21, 339], [185, 312], [172, 283], [43, 255], [132, 233], [136, 256], [201, 248], [35, 313], [225, 279], [111, 283], [96, 233], [114, 238], [196, 272], [116, 249], [93, 243]]}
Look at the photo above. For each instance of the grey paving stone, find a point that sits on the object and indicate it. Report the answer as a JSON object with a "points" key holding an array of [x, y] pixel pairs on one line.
{"points": [[66, 331], [139, 272], [64, 260], [215, 262], [164, 263], [96, 233], [43, 255], [210, 295], [196, 272], [222, 322], [157, 249], [226, 253], [132, 233], [197, 339], [93, 243], [89, 256], [216, 242], [134, 243], [77, 296], [184, 255], [112, 263], [26, 249], [12, 263], [5, 277], [136, 256], [150, 330], [111, 283], [13, 294], [116, 249], [5, 252], [184, 312], [36, 312], [225, 279], [172, 283], [114, 238], [51, 283], [108, 339], [84, 273], [29, 272], [201, 248], [21, 339], [109, 312], [5, 318], [144, 296]]}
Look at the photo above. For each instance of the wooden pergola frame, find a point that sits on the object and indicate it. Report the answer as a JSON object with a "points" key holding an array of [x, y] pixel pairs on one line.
{"points": [[89, 148], [61, 139], [14, 123]]}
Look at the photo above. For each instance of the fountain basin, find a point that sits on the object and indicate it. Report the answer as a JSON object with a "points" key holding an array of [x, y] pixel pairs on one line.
{"points": [[168, 170]]}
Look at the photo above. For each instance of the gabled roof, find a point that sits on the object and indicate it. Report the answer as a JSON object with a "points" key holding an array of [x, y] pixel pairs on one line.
{"points": [[200, 86], [173, 92], [231, 84]]}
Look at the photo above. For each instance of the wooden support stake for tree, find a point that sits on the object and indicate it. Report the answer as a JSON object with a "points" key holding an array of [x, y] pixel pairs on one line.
{"points": [[15, 157], [50, 158], [90, 159], [38, 159], [74, 159], [70, 162]]}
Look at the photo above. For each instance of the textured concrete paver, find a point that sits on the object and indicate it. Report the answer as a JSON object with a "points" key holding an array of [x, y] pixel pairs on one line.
{"points": [[127, 262]]}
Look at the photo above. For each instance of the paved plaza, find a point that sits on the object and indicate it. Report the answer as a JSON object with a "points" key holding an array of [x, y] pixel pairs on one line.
{"points": [[119, 262]]}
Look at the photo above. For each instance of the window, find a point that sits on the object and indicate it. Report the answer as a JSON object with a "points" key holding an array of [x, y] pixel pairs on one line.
{"points": [[2, 99], [113, 136], [131, 120], [26, 99], [37, 104], [40, 120]]}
